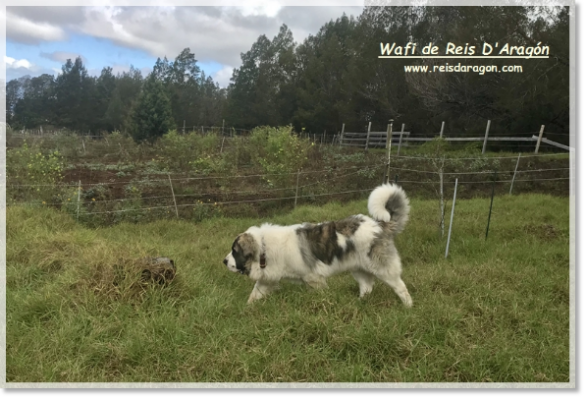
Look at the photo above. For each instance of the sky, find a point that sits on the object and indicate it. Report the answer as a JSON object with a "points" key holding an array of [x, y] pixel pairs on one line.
{"points": [[40, 39]]}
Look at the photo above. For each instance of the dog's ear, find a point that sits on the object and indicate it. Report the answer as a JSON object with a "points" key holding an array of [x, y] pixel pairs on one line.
{"points": [[326, 230], [330, 227], [248, 245]]}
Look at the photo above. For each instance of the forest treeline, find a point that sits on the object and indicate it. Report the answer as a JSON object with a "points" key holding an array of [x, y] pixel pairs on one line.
{"points": [[332, 77]]}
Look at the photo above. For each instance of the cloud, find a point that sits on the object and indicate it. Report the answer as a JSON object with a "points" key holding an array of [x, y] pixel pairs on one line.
{"points": [[62, 56], [27, 31], [51, 15], [222, 77], [22, 67], [12, 63], [215, 34]]}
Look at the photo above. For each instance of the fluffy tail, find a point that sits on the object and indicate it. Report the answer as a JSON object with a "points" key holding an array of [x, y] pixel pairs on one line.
{"points": [[389, 203]]}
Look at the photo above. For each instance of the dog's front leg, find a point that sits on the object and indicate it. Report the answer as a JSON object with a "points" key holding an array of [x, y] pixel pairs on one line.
{"points": [[260, 290]]}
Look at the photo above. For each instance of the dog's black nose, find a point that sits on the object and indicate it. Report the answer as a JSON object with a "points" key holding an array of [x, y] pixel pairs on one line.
{"points": [[225, 261]]}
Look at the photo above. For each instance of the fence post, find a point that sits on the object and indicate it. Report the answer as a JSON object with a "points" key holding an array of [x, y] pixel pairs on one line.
{"points": [[401, 138], [173, 193], [389, 143], [222, 148], [451, 218], [296, 189], [514, 174], [442, 129], [486, 136], [490, 209], [78, 197], [367, 136], [83, 144], [442, 211], [342, 134], [539, 139]]}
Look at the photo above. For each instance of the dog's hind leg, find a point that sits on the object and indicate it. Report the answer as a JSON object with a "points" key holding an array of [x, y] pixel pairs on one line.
{"points": [[391, 275], [260, 290], [365, 282]]}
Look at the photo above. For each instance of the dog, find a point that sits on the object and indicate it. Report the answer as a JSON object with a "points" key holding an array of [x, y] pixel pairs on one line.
{"points": [[361, 245]]}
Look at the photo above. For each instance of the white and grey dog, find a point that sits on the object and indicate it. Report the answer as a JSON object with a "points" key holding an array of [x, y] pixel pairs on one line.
{"points": [[312, 252]]}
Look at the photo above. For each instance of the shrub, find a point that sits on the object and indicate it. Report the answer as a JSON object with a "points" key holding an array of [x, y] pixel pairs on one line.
{"points": [[38, 174], [279, 152]]}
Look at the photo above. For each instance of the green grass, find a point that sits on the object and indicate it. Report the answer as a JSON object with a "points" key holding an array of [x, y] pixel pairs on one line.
{"points": [[495, 311]]}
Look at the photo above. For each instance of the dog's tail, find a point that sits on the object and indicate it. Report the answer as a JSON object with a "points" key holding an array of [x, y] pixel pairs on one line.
{"points": [[387, 203]]}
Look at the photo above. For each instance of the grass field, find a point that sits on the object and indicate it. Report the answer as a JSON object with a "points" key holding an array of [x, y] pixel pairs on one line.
{"points": [[494, 311]]}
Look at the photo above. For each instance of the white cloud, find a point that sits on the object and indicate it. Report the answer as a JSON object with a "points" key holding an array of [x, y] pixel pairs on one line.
{"points": [[12, 63], [26, 31], [260, 7], [214, 34], [222, 77]]}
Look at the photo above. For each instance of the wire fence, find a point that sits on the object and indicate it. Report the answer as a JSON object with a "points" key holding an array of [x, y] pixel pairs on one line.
{"points": [[176, 191]]}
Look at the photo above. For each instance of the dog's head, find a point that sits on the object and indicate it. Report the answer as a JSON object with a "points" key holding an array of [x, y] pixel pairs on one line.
{"points": [[244, 252]]}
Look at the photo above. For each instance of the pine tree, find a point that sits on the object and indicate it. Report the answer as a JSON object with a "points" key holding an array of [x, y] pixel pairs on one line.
{"points": [[152, 117]]}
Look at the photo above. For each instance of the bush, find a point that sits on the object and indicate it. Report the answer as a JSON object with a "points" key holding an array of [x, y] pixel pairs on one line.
{"points": [[279, 152], [38, 174]]}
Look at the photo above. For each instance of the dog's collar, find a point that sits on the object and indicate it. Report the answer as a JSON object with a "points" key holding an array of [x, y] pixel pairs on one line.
{"points": [[263, 257]]}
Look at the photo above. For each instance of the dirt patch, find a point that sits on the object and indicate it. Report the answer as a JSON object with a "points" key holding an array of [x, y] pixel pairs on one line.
{"points": [[545, 232]]}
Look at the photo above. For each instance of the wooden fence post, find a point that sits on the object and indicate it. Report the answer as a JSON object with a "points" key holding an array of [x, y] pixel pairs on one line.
{"points": [[451, 218], [539, 139], [401, 138], [389, 143], [514, 174], [222, 148], [173, 193], [78, 198], [296, 189], [442, 211], [442, 129], [486, 136], [367, 136], [342, 134], [490, 209]]}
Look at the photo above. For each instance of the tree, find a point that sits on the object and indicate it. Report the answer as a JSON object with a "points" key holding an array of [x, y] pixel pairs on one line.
{"points": [[323, 95], [74, 94], [105, 86], [124, 97], [152, 117], [262, 89], [36, 106], [212, 101], [14, 92]]}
